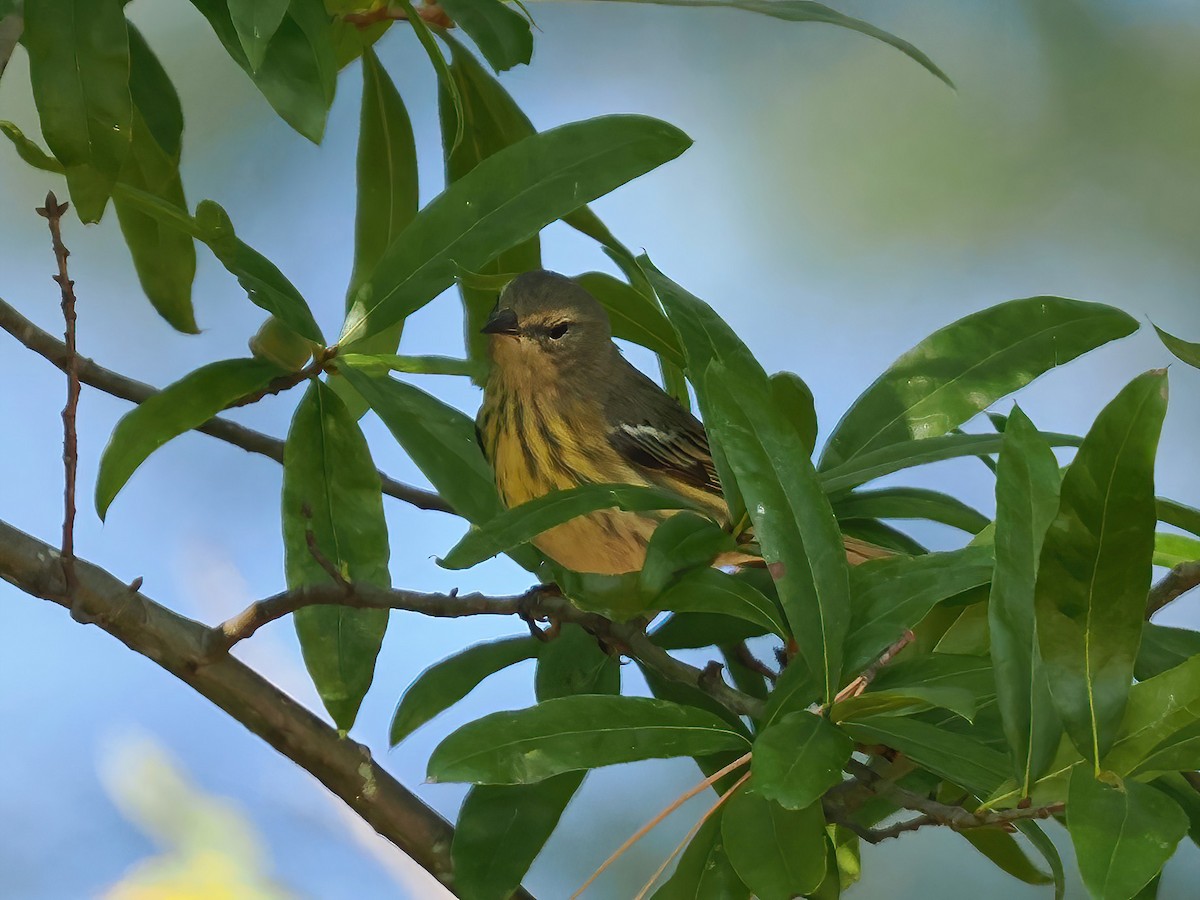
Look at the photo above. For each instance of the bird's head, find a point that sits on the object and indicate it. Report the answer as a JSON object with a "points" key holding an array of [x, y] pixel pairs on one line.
{"points": [[545, 325]]}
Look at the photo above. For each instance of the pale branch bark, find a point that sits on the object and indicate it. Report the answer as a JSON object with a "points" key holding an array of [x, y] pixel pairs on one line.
{"points": [[180, 645], [539, 603], [932, 812], [1175, 583], [110, 382]]}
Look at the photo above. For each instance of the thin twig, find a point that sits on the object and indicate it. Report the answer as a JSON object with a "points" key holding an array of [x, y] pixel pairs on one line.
{"points": [[429, 12], [654, 822], [52, 212], [742, 654], [1175, 583], [863, 681], [55, 351]]}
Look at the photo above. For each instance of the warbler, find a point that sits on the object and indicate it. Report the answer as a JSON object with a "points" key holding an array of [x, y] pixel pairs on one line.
{"points": [[563, 407]]}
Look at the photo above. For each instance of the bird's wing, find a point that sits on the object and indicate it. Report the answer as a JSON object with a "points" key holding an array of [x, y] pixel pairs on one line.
{"points": [[652, 432]]}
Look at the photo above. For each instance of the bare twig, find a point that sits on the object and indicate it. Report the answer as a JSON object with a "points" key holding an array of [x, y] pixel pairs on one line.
{"points": [[179, 645], [52, 212], [429, 12], [863, 681], [1175, 583], [55, 351], [742, 654]]}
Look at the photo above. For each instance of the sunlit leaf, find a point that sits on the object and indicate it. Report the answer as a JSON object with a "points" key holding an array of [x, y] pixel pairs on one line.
{"points": [[1171, 550], [960, 370], [1095, 566], [256, 22], [573, 733], [1158, 708], [331, 488], [177, 408]]}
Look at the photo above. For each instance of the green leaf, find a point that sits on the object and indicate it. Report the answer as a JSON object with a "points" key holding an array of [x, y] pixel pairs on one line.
{"points": [[1177, 514], [265, 285], [1183, 350], [412, 365], [29, 151], [1158, 708], [956, 757], [704, 871], [298, 73], [907, 454], [1179, 753], [910, 503], [1095, 566], [79, 72], [189, 402], [505, 199], [445, 683], [1006, 853], [1164, 648], [479, 118], [1171, 550], [778, 853], [890, 596], [1043, 845], [682, 542], [798, 758], [714, 591], [1027, 485], [687, 631], [573, 663], [967, 366], [634, 316], [574, 733], [500, 831], [952, 682], [328, 474], [516, 526], [876, 532], [795, 691], [792, 519], [794, 399], [1122, 835], [164, 257], [689, 695], [256, 22], [501, 33], [1178, 789], [806, 11]]}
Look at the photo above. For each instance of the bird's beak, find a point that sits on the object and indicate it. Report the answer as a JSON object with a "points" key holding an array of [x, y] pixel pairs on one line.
{"points": [[501, 321]]}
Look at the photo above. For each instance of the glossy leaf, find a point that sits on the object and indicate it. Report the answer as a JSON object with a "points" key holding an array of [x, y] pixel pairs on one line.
{"points": [[177, 408], [890, 596], [910, 503], [518, 525], [1186, 351], [1158, 708], [1027, 485], [445, 683], [792, 518], [500, 831], [1171, 550], [798, 758], [778, 853], [1095, 566], [501, 33], [806, 11], [634, 316], [682, 542], [298, 72], [907, 454], [956, 757], [1164, 648], [573, 733], [960, 370], [255, 22], [795, 399], [266, 286], [331, 488], [505, 199], [164, 257], [714, 591], [1178, 753], [79, 72], [704, 871], [1122, 834]]}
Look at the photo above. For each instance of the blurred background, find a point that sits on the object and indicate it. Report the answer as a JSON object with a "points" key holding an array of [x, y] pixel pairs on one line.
{"points": [[838, 205]]}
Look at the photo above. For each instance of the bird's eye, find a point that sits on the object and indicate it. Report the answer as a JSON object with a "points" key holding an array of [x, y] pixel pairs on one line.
{"points": [[558, 330]]}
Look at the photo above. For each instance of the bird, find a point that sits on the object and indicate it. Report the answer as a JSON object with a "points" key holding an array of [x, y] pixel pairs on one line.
{"points": [[562, 407]]}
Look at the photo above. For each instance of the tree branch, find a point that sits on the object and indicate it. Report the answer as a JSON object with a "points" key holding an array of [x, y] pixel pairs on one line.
{"points": [[1175, 583], [134, 391], [179, 645]]}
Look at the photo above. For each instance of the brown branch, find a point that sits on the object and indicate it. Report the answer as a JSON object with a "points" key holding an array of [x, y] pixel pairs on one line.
{"points": [[429, 12], [90, 373], [52, 212], [539, 603], [179, 645], [1175, 583]]}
